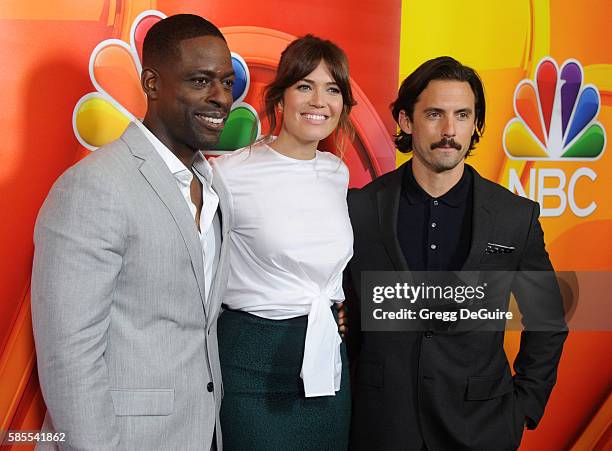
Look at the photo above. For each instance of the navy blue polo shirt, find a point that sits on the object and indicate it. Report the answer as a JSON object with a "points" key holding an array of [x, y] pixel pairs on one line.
{"points": [[435, 232]]}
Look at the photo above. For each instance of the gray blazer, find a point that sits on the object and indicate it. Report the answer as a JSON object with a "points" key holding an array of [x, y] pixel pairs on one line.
{"points": [[126, 342]]}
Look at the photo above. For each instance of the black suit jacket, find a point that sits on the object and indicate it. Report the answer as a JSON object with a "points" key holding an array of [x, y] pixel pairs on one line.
{"points": [[450, 390]]}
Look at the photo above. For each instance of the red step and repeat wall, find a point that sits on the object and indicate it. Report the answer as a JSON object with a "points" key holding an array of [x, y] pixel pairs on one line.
{"points": [[69, 76]]}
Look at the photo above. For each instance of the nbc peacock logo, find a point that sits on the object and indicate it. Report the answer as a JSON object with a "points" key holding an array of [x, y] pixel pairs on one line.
{"points": [[114, 69], [556, 116]]}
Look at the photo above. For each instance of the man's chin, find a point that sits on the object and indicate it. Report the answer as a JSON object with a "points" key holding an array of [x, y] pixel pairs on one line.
{"points": [[444, 166], [208, 142]]}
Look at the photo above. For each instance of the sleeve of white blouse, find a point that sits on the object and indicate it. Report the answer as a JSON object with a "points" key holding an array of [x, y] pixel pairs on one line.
{"points": [[220, 176], [337, 292], [346, 173]]}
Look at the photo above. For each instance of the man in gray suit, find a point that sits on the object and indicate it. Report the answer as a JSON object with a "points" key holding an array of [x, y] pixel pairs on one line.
{"points": [[129, 266]]}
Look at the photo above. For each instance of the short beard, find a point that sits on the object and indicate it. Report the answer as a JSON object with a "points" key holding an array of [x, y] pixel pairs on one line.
{"points": [[205, 143]]}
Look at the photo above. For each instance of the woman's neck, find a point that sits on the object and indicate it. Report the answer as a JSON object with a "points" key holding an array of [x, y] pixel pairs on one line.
{"points": [[292, 147]]}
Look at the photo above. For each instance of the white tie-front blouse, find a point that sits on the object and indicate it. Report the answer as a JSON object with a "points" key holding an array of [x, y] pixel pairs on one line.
{"points": [[289, 244]]}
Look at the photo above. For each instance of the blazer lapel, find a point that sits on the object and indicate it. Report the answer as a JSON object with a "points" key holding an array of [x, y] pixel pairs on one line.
{"points": [[225, 216], [388, 206], [155, 171], [482, 219]]}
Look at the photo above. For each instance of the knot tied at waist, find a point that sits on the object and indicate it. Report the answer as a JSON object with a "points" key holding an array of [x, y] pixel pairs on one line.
{"points": [[322, 364]]}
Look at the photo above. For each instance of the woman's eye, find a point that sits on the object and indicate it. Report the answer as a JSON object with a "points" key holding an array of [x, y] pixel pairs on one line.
{"points": [[334, 90], [303, 87]]}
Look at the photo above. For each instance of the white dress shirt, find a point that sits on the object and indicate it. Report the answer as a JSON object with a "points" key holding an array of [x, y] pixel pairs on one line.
{"points": [[288, 247], [210, 226]]}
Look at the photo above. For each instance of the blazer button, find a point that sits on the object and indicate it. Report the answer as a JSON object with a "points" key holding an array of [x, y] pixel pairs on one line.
{"points": [[210, 387], [429, 334]]}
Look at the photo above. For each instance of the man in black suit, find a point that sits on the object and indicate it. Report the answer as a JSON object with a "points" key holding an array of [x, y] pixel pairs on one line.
{"points": [[448, 389]]}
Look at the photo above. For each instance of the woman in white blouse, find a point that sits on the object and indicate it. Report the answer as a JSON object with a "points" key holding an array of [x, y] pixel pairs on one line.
{"points": [[283, 362]]}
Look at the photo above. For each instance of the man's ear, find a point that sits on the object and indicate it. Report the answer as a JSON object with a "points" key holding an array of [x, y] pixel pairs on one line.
{"points": [[404, 122], [149, 80]]}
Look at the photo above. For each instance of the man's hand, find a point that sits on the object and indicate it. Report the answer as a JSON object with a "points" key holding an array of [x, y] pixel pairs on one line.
{"points": [[342, 319]]}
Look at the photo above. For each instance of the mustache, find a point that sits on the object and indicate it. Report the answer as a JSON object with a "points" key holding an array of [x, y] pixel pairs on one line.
{"points": [[445, 142]]}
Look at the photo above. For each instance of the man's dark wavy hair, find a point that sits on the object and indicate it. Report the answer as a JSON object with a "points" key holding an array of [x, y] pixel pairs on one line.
{"points": [[441, 68]]}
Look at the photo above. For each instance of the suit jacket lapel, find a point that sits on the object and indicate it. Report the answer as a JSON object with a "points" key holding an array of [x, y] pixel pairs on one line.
{"points": [[388, 205], [161, 180], [226, 219], [482, 219]]}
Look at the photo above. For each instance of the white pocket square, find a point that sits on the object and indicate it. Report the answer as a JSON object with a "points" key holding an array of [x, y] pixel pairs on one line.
{"points": [[495, 248]]}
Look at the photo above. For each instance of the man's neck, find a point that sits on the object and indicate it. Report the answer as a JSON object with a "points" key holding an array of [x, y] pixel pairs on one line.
{"points": [[434, 183], [184, 154]]}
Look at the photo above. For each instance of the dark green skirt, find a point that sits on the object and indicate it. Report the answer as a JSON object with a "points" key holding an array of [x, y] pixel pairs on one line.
{"points": [[264, 407]]}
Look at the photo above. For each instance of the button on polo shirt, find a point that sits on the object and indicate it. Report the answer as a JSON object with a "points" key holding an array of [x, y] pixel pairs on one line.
{"points": [[435, 233]]}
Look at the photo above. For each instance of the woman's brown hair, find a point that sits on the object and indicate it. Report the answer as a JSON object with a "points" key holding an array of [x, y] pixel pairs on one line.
{"points": [[299, 59]]}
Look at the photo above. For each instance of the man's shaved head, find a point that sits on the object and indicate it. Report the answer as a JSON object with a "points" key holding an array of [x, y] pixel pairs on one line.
{"points": [[162, 40]]}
